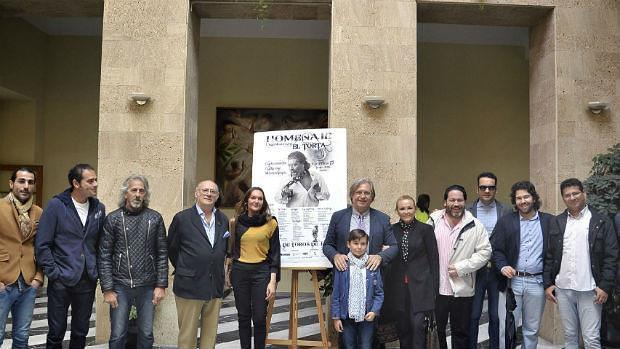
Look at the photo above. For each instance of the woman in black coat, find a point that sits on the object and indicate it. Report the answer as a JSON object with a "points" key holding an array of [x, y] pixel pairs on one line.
{"points": [[412, 281]]}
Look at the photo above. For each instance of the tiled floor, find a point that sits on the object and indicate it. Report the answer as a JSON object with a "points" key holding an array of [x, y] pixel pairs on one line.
{"points": [[227, 329]]}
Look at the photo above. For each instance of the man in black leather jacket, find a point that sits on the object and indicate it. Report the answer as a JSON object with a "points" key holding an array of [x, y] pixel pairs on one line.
{"points": [[133, 262], [580, 266]]}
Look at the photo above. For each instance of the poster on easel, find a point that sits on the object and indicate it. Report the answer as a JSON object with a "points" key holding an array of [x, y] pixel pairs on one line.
{"points": [[304, 176]]}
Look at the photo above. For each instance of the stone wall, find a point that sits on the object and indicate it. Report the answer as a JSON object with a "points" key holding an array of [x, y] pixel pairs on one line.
{"points": [[373, 52]]}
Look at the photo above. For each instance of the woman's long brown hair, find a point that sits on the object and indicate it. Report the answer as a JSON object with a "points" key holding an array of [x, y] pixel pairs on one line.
{"points": [[242, 206]]}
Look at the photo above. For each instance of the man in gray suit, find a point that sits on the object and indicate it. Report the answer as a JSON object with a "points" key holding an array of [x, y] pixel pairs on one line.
{"points": [[360, 216], [197, 242]]}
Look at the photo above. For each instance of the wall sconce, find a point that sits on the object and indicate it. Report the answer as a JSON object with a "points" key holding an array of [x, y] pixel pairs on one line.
{"points": [[139, 97], [597, 107], [374, 102]]}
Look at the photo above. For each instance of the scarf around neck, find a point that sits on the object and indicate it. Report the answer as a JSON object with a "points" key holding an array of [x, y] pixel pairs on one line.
{"points": [[404, 247], [23, 219], [254, 221], [357, 287]]}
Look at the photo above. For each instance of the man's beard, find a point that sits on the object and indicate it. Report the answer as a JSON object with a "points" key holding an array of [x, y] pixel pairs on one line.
{"points": [[136, 203], [456, 214], [526, 210]]}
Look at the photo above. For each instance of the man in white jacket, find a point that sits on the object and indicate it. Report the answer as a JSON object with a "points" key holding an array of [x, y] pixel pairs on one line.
{"points": [[464, 247]]}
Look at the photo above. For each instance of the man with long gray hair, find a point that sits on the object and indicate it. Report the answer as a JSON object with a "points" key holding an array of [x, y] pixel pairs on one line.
{"points": [[133, 262]]}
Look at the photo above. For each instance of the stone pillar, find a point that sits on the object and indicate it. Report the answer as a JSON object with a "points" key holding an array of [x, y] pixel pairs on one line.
{"points": [[373, 52], [544, 141], [149, 46]]}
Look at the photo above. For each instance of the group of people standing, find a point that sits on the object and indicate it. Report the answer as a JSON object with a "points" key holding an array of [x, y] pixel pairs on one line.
{"points": [[442, 263], [74, 244], [444, 267]]}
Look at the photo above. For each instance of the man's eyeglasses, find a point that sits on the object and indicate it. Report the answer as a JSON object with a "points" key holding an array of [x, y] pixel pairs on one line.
{"points": [[572, 195], [209, 191], [487, 187]]}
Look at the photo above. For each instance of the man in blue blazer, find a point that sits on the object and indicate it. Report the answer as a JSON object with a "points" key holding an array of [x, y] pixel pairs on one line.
{"points": [[520, 241], [360, 216], [66, 249]]}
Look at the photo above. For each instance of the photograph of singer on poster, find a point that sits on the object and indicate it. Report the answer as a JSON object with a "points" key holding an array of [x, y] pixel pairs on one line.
{"points": [[304, 186]]}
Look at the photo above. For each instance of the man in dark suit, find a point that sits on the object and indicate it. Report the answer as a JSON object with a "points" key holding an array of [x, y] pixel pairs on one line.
{"points": [[197, 241], [488, 210], [360, 216], [519, 243]]}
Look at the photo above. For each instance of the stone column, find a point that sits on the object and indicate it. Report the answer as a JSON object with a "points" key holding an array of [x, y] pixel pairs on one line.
{"points": [[373, 52], [149, 46], [544, 141]]}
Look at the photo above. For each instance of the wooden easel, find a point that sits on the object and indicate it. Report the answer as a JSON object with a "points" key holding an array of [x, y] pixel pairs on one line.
{"points": [[293, 341]]}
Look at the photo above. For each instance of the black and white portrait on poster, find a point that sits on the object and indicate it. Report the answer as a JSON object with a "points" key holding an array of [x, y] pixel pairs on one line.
{"points": [[304, 174]]}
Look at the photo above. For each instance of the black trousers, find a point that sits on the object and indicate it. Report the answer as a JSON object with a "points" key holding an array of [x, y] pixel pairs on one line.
{"points": [[458, 310], [59, 297], [411, 333], [250, 287]]}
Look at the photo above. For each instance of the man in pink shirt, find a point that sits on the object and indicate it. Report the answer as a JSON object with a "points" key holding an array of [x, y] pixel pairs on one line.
{"points": [[464, 247]]}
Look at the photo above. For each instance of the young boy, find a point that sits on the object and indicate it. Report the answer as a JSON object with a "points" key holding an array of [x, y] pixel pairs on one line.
{"points": [[357, 295]]}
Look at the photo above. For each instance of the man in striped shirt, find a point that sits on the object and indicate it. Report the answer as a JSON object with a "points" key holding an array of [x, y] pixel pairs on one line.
{"points": [[463, 245]]}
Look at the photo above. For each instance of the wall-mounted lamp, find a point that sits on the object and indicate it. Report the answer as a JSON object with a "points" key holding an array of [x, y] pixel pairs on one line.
{"points": [[374, 101], [139, 97], [597, 107]]}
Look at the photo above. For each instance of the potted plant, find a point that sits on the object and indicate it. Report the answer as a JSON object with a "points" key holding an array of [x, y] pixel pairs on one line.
{"points": [[603, 188]]}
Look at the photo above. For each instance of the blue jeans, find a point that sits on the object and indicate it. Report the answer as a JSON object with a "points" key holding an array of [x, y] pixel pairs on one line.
{"points": [[142, 297], [18, 298], [486, 282], [578, 311], [357, 335], [530, 297]]}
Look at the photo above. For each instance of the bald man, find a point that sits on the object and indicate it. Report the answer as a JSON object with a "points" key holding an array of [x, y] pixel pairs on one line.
{"points": [[197, 241]]}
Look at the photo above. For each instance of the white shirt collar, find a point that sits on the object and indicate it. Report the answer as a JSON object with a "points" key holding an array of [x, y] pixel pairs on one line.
{"points": [[201, 212], [580, 214], [365, 214]]}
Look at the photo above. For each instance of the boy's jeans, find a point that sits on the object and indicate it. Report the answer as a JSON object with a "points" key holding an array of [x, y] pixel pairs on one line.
{"points": [[357, 335]]}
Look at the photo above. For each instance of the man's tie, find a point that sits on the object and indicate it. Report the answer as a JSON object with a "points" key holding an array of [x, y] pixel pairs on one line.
{"points": [[360, 223]]}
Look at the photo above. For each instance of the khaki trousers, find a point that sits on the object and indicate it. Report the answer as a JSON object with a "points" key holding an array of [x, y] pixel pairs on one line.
{"points": [[191, 313]]}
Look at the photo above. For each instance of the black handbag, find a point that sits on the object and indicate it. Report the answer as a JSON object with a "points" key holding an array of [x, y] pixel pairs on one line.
{"points": [[387, 332]]}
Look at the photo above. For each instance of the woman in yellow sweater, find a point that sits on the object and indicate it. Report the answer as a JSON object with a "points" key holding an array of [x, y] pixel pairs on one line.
{"points": [[256, 265]]}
